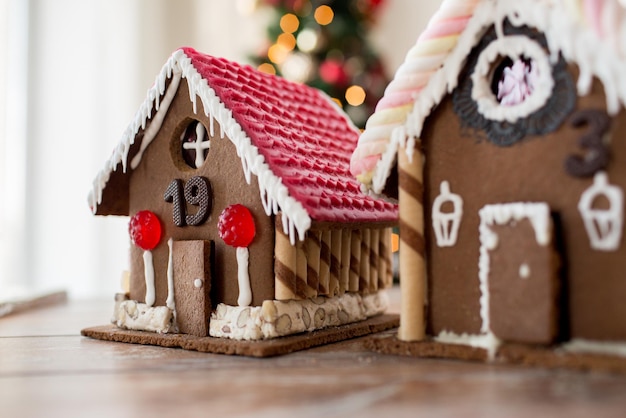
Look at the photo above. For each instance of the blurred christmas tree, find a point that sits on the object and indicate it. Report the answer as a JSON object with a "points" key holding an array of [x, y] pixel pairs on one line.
{"points": [[323, 43]]}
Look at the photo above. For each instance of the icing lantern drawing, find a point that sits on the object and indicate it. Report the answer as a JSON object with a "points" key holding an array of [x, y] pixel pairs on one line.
{"points": [[236, 228], [145, 232], [604, 226], [446, 224]]}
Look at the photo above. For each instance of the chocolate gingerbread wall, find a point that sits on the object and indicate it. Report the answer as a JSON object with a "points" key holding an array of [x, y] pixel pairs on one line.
{"points": [[162, 163], [531, 170]]}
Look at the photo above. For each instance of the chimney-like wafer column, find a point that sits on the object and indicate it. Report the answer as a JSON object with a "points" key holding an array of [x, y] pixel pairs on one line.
{"points": [[313, 250], [284, 266], [335, 262], [304, 290], [325, 261], [346, 242], [355, 260], [364, 276], [374, 259], [412, 247], [385, 267]]}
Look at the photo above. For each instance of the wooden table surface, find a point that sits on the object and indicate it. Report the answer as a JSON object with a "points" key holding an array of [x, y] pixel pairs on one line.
{"points": [[48, 370]]}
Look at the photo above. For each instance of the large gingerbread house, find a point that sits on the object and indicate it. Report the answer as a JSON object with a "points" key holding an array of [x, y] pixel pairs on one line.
{"points": [[503, 130], [245, 221]]}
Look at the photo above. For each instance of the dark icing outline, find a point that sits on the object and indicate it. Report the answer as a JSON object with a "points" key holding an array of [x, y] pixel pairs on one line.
{"points": [[544, 120]]}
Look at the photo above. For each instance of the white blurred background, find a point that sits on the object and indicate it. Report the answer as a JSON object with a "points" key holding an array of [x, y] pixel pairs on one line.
{"points": [[72, 75]]}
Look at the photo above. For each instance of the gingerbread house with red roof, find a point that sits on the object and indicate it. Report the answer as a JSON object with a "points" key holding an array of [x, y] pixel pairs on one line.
{"points": [[245, 221], [501, 135]]}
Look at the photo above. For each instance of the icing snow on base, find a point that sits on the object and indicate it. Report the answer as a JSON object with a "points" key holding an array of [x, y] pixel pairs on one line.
{"points": [[488, 341], [280, 318], [595, 347]]}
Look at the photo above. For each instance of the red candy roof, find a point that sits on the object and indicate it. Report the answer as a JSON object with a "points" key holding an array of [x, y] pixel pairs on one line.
{"points": [[306, 140]]}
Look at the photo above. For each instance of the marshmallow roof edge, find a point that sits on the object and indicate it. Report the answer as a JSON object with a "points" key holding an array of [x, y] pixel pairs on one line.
{"points": [[589, 33]]}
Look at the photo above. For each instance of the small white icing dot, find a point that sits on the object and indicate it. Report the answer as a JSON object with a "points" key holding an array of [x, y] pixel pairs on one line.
{"points": [[524, 271], [198, 283]]}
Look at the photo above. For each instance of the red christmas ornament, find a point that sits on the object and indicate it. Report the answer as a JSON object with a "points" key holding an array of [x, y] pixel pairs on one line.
{"points": [[236, 226], [332, 72], [145, 230]]}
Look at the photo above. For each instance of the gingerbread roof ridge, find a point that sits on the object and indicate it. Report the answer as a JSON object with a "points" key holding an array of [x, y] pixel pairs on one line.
{"points": [[293, 138], [432, 65]]}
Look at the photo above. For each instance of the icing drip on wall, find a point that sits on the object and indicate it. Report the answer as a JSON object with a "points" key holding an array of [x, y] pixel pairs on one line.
{"points": [[157, 120], [170, 277], [243, 277]]}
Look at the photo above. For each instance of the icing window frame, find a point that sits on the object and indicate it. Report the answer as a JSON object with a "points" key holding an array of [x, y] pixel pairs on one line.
{"points": [[179, 150], [543, 120], [514, 47]]}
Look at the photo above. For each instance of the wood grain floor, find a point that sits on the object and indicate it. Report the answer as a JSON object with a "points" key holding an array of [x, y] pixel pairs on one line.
{"points": [[48, 370]]}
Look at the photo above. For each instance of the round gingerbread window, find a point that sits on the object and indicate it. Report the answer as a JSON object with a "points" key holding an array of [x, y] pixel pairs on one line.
{"points": [[512, 79], [194, 144], [512, 87]]}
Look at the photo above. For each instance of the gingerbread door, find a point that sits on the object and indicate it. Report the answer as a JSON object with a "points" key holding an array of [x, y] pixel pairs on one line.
{"points": [[191, 275], [519, 273]]}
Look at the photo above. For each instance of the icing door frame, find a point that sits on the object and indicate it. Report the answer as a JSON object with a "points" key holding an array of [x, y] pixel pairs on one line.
{"points": [[191, 277], [519, 273]]}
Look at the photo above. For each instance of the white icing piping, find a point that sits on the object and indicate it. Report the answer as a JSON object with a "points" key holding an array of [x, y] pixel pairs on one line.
{"points": [[152, 130], [513, 47], [603, 226], [148, 268], [170, 302], [243, 278], [564, 35], [487, 341], [537, 213], [578, 345], [446, 224], [274, 194]]}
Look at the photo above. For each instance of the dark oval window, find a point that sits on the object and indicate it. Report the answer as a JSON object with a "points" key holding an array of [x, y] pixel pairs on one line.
{"points": [[194, 144]]}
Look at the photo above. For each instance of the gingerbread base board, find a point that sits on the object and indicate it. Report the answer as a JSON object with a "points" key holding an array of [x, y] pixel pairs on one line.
{"points": [[264, 348], [508, 353]]}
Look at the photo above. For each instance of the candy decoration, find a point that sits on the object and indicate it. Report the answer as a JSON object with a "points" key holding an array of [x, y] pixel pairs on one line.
{"points": [[197, 192], [145, 232], [518, 82], [236, 227]]}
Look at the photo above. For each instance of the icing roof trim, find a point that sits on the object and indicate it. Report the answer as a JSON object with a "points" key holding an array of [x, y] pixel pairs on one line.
{"points": [[274, 195]]}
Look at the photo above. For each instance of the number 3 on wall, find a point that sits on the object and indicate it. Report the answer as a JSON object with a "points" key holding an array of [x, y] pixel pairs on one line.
{"points": [[196, 192]]}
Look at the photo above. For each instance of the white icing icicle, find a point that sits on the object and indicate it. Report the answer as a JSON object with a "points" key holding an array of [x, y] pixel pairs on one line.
{"points": [[148, 267], [243, 277], [157, 120], [273, 192]]}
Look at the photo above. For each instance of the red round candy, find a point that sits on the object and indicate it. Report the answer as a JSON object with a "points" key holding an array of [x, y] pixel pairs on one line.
{"points": [[236, 226], [145, 229]]}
